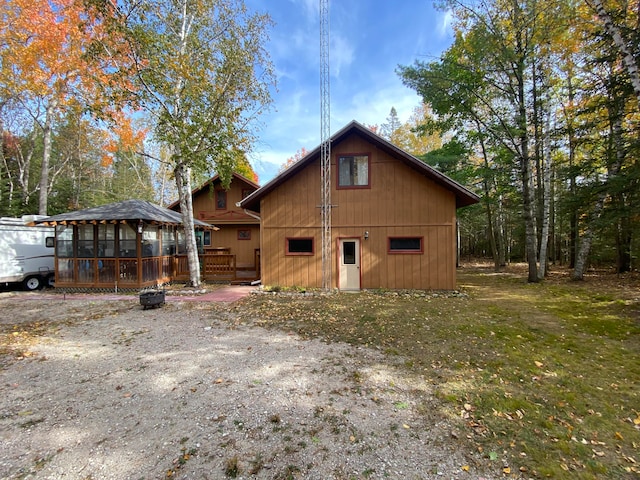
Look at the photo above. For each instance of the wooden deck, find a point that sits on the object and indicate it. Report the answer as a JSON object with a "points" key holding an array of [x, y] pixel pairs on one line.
{"points": [[215, 267], [128, 273]]}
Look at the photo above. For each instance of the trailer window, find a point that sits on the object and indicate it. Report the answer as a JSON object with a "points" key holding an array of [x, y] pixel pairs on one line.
{"points": [[49, 242]]}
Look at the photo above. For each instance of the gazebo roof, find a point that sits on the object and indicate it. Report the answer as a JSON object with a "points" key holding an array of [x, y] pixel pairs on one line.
{"points": [[127, 210]]}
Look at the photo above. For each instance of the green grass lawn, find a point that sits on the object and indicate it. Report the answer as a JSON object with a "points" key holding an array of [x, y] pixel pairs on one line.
{"points": [[543, 379]]}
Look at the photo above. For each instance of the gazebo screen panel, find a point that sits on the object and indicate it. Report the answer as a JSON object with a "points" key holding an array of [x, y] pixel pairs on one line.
{"points": [[127, 241]]}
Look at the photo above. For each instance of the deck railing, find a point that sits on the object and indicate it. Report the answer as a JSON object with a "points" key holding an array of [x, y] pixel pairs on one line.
{"points": [[144, 272], [113, 272], [212, 267]]}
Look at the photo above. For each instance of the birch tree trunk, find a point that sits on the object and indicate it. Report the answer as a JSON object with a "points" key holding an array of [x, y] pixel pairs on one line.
{"points": [[586, 241], [183, 182], [490, 217], [613, 172], [183, 170], [546, 202], [9, 181], [628, 57], [501, 234], [520, 104], [47, 129]]}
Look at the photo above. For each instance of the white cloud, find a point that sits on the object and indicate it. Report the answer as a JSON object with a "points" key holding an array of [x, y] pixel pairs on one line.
{"points": [[310, 8], [341, 55], [445, 21], [373, 107]]}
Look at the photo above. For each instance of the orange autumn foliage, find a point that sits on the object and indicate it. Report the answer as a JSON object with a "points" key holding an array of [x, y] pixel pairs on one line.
{"points": [[299, 155], [125, 137], [60, 51]]}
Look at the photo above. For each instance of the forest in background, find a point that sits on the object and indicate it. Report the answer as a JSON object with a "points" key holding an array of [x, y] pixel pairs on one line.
{"points": [[538, 104], [535, 106]]}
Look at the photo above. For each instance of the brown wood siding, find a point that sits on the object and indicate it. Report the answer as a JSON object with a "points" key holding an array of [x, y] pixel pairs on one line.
{"points": [[400, 202], [244, 250], [204, 204], [204, 200]]}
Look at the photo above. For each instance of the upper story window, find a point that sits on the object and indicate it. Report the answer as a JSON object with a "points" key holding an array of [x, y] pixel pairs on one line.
{"points": [[221, 200], [353, 171]]}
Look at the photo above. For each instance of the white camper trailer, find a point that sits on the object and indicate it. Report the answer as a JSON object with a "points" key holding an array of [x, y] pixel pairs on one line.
{"points": [[26, 253]]}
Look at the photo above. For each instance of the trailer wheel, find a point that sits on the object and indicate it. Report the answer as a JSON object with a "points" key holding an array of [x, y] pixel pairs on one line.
{"points": [[32, 283]]}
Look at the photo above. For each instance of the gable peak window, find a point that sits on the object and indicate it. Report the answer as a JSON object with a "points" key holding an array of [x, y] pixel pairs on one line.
{"points": [[221, 199], [353, 171]]}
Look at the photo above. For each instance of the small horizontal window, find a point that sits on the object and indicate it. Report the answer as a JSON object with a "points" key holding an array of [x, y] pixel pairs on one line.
{"points": [[405, 245], [299, 246]]}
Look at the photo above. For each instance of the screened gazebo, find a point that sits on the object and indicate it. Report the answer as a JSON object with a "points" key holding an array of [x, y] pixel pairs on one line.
{"points": [[124, 245]]}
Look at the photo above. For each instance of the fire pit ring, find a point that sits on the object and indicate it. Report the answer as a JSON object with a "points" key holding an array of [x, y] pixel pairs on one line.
{"points": [[152, 299]]}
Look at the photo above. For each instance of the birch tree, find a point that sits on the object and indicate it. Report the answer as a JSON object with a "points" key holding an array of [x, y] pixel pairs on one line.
{"points": [[49, 62], [484, 78], [622, 36], [203, 76]]}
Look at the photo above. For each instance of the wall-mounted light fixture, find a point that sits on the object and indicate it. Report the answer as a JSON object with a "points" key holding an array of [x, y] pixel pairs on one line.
{"points": [[366, 234], [140, 225]]}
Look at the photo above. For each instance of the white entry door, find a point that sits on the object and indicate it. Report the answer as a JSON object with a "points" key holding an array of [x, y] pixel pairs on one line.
{"points": [[349, 264]]}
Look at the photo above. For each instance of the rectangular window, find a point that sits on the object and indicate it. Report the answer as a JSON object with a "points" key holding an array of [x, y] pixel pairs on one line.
{"points": [[406, 245], [353, 171], [221, 200], [168, 241], [85, 241], [300, 246], [64, 241], [244, 234], [106, 240], [150, 242], [182, 242], [349, 253], [127, 241]]}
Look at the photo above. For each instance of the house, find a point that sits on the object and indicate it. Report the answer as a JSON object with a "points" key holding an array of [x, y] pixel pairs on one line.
{"points": [[238, 233], [393, 219], [124, 245]]}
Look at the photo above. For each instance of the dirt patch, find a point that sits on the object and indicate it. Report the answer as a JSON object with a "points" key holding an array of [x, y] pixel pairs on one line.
{"points": [[105, 390]]}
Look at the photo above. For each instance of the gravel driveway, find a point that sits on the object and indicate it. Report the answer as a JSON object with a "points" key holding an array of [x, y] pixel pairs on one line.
{"points": [[109, 391]]}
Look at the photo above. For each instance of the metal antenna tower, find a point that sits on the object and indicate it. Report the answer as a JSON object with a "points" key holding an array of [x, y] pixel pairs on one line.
{"points": [[325, 145]]}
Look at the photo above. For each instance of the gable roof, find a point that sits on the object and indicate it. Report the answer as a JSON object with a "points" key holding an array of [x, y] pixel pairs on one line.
{"points": [[131, 210], [176, 205], [464, 196]]}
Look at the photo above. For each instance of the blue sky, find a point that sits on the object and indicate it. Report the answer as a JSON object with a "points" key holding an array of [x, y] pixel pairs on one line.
{"points": [[368, 40]]}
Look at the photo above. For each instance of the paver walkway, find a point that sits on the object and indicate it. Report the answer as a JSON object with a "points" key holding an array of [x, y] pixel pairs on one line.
{"points": [[228, 294]]}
